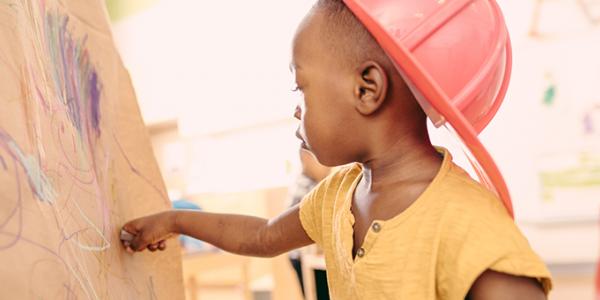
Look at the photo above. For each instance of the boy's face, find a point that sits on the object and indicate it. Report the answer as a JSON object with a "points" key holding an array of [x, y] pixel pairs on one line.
{"points": [[327, 113]]}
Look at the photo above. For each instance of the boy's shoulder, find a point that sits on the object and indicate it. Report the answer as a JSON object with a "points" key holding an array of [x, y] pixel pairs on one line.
{"points": [[459, 191]]}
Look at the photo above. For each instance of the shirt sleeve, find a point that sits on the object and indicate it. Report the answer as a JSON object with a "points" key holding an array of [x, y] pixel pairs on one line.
{"points": [[311, 213], [489, 241]]}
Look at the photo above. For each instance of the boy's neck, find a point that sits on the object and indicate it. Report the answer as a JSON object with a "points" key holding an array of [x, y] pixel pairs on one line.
{"points": [[404, 162]]}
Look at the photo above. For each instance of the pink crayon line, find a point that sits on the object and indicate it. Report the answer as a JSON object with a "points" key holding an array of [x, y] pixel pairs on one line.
{"points": [[70, 292], [139, 174], [36, 244], [41, 98], [17, 209], [58, 143]]}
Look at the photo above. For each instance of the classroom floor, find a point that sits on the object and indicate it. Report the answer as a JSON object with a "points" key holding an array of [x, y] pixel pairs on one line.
{"points": [[566, 288], [221, 294]]}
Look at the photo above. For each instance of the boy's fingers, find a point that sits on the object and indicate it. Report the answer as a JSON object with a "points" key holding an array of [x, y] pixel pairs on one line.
{"points": [[130, 227], [153, 247], [162, 245], [138, 246], [139, 243]]}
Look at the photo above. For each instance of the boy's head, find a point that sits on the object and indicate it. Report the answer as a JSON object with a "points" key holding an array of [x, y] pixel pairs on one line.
{"points": [[355, 102]]}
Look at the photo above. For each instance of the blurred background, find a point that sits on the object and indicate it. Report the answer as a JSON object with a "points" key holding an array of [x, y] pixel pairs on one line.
{"points": [[213, 84]]}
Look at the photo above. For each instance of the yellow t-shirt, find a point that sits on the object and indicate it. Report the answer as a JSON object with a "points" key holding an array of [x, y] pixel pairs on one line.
{"points": [[435, 249]]}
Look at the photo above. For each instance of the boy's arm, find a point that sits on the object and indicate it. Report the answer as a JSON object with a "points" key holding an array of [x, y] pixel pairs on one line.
{"points": [[499, 286], [237, 234]]}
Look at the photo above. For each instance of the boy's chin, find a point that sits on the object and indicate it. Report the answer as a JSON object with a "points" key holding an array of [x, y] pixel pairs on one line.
{"points": [[304, 146], [328, 162]]}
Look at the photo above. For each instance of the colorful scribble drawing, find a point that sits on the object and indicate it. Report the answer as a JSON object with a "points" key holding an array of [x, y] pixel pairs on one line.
{"points": [[584, 175], [570, 178], [63, 165]]}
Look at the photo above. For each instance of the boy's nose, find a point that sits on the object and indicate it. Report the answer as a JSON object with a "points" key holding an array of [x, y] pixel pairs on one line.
{"points": [[298, 112]]}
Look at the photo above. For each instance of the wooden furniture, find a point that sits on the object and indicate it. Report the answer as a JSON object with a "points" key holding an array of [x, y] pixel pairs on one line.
{"points": [[215, 270], [310, 263]]}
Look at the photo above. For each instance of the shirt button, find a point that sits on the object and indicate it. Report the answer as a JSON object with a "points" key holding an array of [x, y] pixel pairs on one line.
{"points": [[376, 227], [360, 252]]}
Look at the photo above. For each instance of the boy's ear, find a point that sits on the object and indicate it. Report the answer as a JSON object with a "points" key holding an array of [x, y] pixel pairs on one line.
{"points": [[371, 87]]}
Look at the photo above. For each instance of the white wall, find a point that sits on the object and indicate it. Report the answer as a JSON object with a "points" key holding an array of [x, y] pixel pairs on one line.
{"points": [[215, 65]]}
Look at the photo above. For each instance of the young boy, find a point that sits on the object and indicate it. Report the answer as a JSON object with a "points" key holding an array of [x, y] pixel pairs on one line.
{"points": [[403, 221]]}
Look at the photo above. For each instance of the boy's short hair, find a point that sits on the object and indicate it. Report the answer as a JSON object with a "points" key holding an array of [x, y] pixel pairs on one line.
{"points": [[347, 37]]}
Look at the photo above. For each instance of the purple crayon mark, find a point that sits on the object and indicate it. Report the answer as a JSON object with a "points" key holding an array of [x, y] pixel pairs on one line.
{"points": [[16, 211], [588, 124], [2, 162], [74, 76], [95, 101], [139, 174]]}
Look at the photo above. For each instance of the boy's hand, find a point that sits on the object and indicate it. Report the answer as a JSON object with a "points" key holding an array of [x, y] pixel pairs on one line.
{"points": [[148, 232]]}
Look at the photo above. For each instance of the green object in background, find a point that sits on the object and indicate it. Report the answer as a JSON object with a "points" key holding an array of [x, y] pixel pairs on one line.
{"points": [[119, 9], [550, 91], [550, 95]]}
